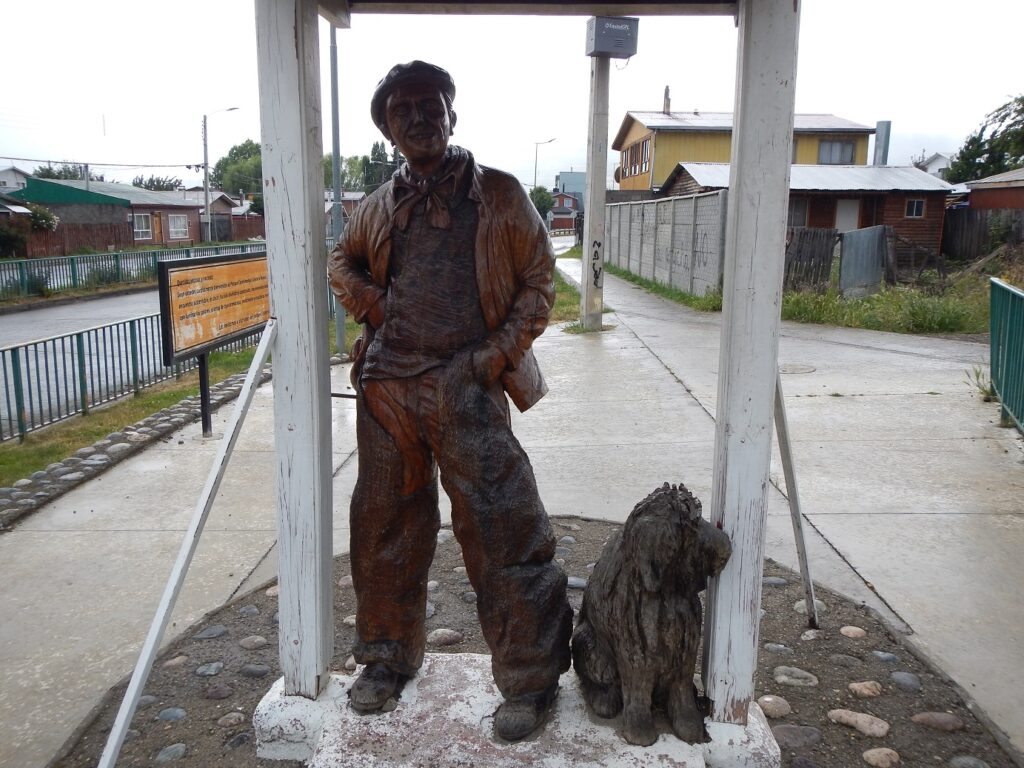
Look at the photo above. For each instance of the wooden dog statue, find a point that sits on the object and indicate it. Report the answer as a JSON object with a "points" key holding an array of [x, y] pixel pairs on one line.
{"points": [[635, 644]]}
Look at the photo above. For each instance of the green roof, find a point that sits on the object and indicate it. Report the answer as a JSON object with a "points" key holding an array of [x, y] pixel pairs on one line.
{"points": [[59, 191]]}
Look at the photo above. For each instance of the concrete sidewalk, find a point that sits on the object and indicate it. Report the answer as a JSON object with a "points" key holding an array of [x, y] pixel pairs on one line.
{"points": [[906, 479]]}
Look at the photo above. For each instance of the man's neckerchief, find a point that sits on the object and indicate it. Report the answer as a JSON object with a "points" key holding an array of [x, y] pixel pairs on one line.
{"points": [[438, 190]]}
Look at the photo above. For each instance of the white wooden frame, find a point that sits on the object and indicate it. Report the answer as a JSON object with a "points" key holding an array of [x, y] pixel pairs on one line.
{"points": [[755, 237]]}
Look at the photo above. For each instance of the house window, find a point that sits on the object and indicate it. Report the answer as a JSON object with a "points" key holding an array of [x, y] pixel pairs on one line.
{"points": [[915, 209], [177, 223], [143, 226], [835, 153], [797, 212], [645, 155], [3, 182]]}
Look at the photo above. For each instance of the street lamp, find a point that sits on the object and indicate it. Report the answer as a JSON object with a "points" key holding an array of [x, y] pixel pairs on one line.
{"points": [[206, 174], [536, 146]]}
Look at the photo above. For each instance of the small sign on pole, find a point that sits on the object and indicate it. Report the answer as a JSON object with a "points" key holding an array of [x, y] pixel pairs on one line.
{"points": [[206, 303]]}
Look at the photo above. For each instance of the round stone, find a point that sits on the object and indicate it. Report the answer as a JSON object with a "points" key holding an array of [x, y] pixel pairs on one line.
{"points": [[852, 632], [345, 581], [444, 536], [567, 541], [469, 597], [908, 681], [794, 676], [430, 610], [800, 606], [867, 689], [254, 670], [777, 648], [249, 611], [171, 714], [882, 757], [862, 722], [210, 670], [177, 661], [966, 761], [83, 452], [774, 706], [459, 570], [272, 591], [60, 471], [349, 621], [146, 700], [774, 581], [433, 586], [562, 552], [131, 735], [812, 634], [252, 642], [443, 637], [23, 483], [115, 437], [350, 664], [796, 736], [173, 752], [843, 660], [886, 657], [940, 721], [238, 740], [217, 691], [212, 632], [72, 477], [40, 475], [575, 582], [231, 719], [119, 450]]}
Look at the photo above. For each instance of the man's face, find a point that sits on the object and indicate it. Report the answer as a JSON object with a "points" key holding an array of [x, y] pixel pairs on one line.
{"points": [[418, 121]]}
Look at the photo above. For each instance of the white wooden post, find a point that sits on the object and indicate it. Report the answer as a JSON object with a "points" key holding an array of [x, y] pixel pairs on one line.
{"points": [[289, 76], [754, 252], [592, 276]]}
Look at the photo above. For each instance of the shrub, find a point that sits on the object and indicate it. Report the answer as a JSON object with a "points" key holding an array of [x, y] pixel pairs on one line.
{"points": [[43, 219], [12, 243], [107, 274]]}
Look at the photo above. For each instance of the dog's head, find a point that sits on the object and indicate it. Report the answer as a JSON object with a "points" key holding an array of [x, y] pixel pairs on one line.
{"points": [[673, 547]]}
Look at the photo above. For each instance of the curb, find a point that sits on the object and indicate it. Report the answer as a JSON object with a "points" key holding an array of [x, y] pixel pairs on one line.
{"points": [[59, 301], [30, 493]]}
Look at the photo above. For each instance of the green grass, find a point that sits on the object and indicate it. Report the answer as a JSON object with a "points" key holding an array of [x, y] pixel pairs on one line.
{"points": [[710, 302], [567, 302]]}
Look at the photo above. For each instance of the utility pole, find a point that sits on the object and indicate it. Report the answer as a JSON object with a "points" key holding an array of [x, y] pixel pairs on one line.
{"points": [[592, 275]]}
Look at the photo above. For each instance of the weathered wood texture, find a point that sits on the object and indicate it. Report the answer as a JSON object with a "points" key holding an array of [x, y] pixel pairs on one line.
{"points": [[755, 245], [289, 72], [970, 233], [808, 258], [594, 235]]}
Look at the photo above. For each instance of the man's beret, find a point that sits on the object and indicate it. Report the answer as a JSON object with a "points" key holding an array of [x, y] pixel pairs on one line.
{"points": [[402, 74]]}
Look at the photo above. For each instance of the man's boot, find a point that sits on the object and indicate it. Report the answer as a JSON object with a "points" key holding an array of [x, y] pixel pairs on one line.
{"points": [[374, 687], [520, 716]]}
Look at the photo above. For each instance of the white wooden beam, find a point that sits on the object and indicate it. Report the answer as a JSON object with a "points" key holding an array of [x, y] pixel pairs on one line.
{"points": [[550, 9], [748, 360], [592, 276], [289, 77], [337, 12]]}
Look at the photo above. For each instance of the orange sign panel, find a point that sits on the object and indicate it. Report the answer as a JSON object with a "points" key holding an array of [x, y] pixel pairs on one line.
{"points": [[208, 304]]}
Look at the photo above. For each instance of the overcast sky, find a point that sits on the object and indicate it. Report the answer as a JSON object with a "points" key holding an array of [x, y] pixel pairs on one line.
{"points": [[122, 81]]}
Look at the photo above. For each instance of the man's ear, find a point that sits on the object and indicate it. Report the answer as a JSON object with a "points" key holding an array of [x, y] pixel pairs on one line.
{"points": [[452, 119]]}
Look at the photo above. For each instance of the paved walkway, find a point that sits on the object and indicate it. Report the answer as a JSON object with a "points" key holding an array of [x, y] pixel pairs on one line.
{"points": [[907, 481]]}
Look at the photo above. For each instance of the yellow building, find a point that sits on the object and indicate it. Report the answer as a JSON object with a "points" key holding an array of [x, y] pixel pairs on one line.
{"points": [[651, 144]]}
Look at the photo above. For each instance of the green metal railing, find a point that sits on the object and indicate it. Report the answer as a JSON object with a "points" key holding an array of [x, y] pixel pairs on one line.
{"points": [[1007, 345], [45, 381], [35, 277]]}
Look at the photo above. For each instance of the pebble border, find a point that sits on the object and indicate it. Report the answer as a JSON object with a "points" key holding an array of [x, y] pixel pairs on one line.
{"points": [[30, 493]]}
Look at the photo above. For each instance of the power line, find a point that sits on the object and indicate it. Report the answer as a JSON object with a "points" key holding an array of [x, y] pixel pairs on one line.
{"points": [[104, 165]]}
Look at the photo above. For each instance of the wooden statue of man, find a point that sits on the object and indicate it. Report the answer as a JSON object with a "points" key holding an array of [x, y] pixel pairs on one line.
{"points": [[448, 267]]}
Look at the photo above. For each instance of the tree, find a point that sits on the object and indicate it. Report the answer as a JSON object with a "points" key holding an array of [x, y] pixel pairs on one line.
{"points": [[247, 150], [157, 183], [996, 147], [542, 200], [65, 172]]}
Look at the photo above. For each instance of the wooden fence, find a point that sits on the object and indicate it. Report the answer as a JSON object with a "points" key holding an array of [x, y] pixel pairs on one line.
{"points": [[970, 233], [247, 227], [69, 239], [809, 258]]}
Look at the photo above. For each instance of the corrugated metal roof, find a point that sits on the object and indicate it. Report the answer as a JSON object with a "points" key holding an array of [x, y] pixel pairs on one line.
{"points": [[1002, 179], [722, 121], [134, 195], [832, 178]]}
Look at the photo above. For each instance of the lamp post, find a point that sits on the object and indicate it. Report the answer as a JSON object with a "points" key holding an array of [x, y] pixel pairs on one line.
{"points": [[206, 175], [536, 146]]}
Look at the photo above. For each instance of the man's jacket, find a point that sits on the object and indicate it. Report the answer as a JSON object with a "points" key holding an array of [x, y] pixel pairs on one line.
{"points": [[514, 264]]}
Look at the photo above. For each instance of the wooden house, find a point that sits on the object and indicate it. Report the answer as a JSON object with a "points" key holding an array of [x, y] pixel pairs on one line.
{"points": [[564, 210], [843, 197], [1004, 190], [650, 144]]}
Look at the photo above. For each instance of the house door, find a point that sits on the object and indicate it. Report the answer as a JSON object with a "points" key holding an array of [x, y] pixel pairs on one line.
{"points": [[847, 215], [158, 228]]}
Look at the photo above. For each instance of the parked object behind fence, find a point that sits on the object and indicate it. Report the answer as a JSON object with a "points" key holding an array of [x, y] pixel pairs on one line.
{"points": [[635, 645]]}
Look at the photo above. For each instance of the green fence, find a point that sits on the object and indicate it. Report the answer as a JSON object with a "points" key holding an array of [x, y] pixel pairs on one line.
{"points": [[1007, 339], [51, 379], [42, 277]]}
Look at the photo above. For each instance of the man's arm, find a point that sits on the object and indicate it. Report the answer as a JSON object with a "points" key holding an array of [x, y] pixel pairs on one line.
{"points": [[348, 268]]}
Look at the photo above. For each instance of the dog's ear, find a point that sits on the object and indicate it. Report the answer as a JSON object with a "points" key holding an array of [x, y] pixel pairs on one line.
{"points": [[715, 548], [651, 544]]}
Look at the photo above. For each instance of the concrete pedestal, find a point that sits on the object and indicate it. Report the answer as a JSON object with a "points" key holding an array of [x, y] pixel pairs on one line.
{"points": [[445, 718]]}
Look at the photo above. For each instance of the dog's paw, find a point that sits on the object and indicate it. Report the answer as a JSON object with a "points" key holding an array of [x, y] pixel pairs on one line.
{"points": [[606, 702], [639, 730]]}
